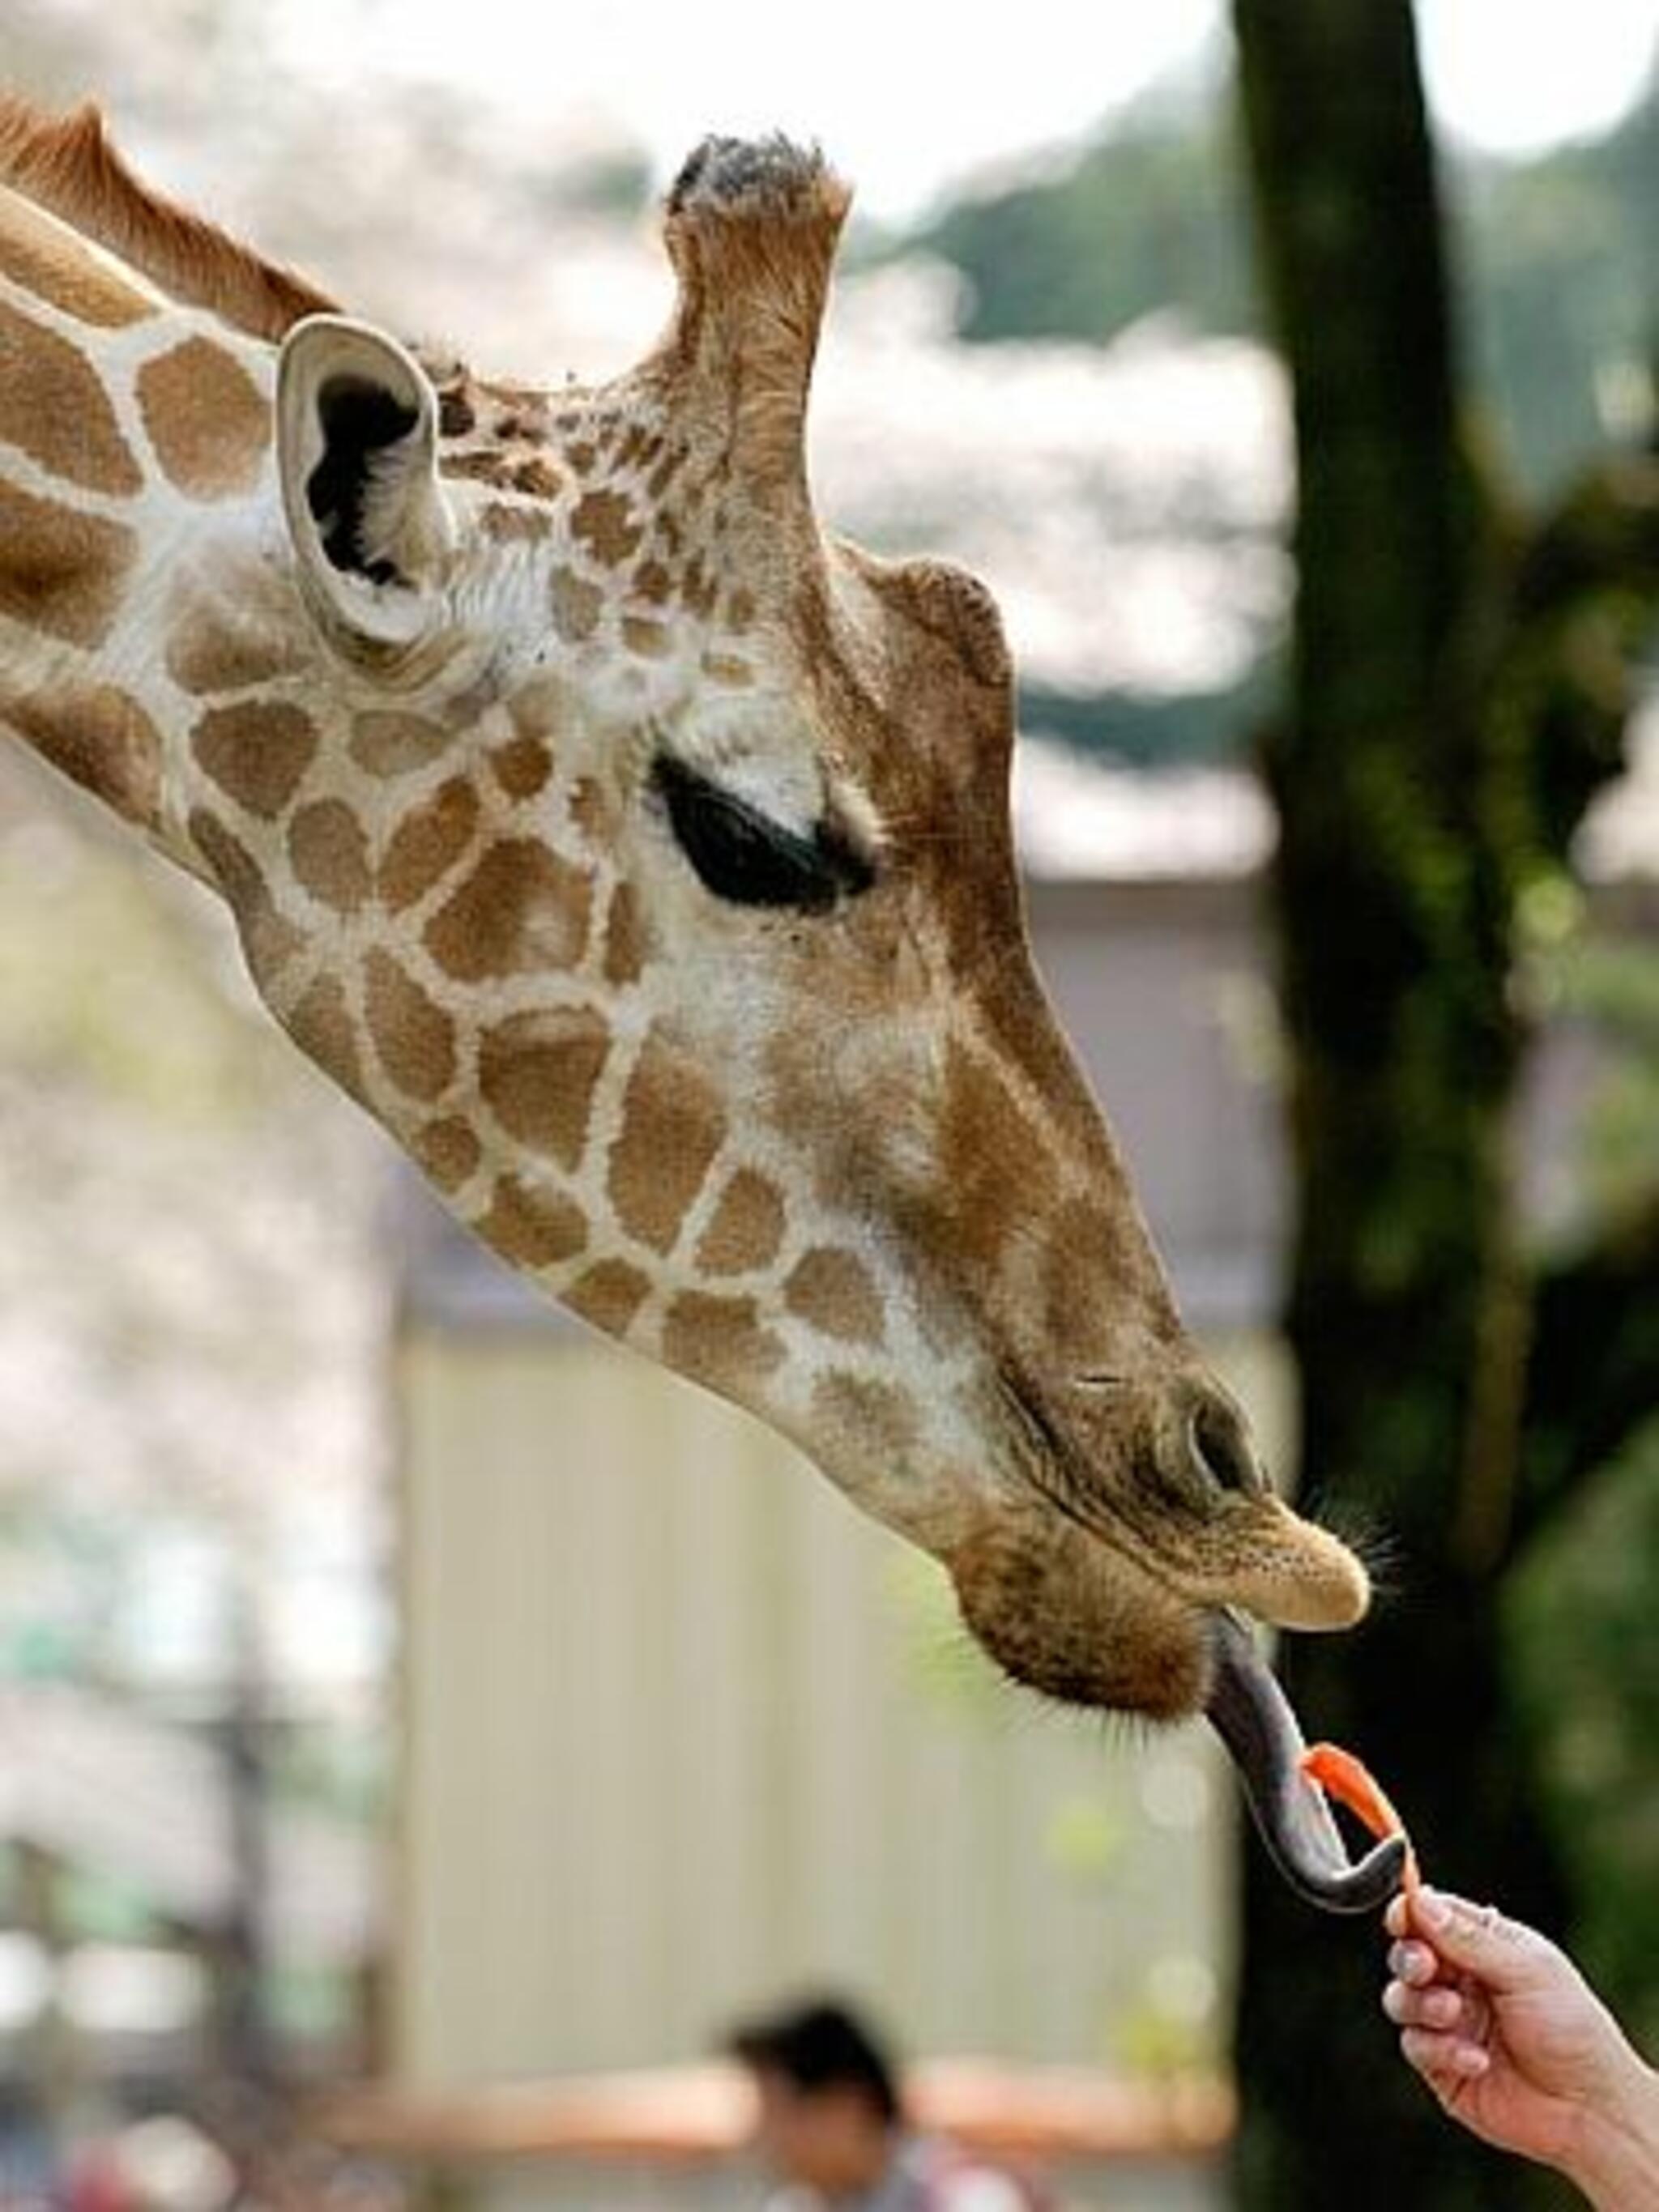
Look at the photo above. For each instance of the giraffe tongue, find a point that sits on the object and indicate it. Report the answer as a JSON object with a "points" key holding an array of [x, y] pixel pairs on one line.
{"points": [[1253, 1717]]}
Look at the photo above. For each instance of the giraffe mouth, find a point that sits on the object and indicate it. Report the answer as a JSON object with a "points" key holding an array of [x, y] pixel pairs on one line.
{"points": [[1254, 1718]]}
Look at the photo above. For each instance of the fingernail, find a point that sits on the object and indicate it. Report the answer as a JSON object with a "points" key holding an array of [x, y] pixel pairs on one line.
{"points": [[1433, 1910]]}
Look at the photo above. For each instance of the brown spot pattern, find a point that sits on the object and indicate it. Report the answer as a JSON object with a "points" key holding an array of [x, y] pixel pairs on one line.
{"points": [[455, 412], [99, 736], [720, 1341], [521, 767], [609, 1295], [321, 1025], [61, 572], [220, 644], [53, 408], [1093, 1253], [522, 910], [531, 1226], [624, 938], [576, 604], [269, 940], [673, 1123], [655, 584], [330, 854], [699, 589], [591, 809], [649, 640], [727, 669], [508, 526], [484, 466], [538, 1070], [746, 1228], [256, 752], [388, 744], [604, 523], [740, 611], [879, 1418], [427, 842], [447, 1151], [46, 259], [996, 1167], [832, 1291], [206, 419], [413, 1036], [537, 478], [666, 472]]}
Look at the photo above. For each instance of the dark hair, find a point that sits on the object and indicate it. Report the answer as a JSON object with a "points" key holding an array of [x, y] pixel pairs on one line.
{"points": [[820, 2046]]}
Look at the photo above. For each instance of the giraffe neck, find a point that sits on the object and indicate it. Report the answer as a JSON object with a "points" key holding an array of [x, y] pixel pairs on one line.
{"points": [[135, 452], [147, 585]]}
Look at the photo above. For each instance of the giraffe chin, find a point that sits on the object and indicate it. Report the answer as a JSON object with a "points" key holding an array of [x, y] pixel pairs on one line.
{"points": [[1079, 1620]]}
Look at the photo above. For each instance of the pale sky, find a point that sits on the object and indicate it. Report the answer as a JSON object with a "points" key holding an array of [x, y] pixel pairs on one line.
{"points": [[906, 95]]}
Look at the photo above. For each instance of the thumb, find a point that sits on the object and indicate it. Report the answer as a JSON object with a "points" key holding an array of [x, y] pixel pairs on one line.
{"points": [[1505, 1953]]}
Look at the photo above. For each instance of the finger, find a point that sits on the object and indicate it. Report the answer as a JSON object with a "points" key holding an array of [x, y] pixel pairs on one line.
{"points": [[1447, 2060], [1479, 1939], [1414, 1963], [1478, 2016], [1440, 2008], [1397, 1918]]}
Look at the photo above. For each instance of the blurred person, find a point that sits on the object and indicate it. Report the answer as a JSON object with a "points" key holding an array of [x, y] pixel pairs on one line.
{"points": [[830, 2123], [1516, 2044]]}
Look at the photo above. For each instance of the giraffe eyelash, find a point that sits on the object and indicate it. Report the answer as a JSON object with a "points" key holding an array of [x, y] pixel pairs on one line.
{"points": [[745, 857]]}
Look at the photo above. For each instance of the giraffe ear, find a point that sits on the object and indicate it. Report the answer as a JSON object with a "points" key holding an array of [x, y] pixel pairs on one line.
{"points": [[357, 432]]}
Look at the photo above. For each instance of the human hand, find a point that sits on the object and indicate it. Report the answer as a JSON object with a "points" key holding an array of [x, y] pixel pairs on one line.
{"points": [[1514, 2044]]}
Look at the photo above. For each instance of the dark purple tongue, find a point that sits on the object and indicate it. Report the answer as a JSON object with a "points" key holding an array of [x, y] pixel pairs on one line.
{"points": [[1253, 1717]]}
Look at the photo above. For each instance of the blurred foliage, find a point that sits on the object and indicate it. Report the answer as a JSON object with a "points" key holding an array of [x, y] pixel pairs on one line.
{"points": [[1586, 1662], [1149, 730], [1615, 987], [1580, 1608], [129, 1002], [1559, 304], [1561, 299], [62, 1568], [91, 1905], [1150, 217], [1563, 302]]}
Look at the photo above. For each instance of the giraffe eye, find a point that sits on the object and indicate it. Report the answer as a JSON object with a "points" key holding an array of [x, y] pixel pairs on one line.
{"points": [[742, 855]]}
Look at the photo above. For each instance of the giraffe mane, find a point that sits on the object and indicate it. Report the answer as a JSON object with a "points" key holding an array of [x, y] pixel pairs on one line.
{"points": [[68, 166]]}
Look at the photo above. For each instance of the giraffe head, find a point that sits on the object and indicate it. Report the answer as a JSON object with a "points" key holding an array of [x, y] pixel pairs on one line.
{"points": [[640, 855]]}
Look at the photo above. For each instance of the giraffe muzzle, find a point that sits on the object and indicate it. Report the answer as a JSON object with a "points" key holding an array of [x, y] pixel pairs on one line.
{"points": [[1254, 1718]]}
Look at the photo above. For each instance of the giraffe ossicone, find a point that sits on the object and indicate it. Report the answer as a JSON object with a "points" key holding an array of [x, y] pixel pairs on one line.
{"points": [[638, 854]]}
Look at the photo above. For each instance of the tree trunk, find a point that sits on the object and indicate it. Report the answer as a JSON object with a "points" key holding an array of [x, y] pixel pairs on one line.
{"points": [[1396, 887]]}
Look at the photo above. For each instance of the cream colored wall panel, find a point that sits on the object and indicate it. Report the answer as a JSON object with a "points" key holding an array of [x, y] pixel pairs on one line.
{"points": [[684, 1733]]}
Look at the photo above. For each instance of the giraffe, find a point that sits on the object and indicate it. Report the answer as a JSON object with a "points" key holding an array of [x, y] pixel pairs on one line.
{"points": [[637, 853]]}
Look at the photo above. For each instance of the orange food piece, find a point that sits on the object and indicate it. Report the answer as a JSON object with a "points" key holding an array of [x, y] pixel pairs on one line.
{"points": [[1350, 1783]]}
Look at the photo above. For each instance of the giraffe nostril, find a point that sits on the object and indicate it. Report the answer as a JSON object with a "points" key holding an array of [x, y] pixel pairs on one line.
{"points": [[1221, 1447]]}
